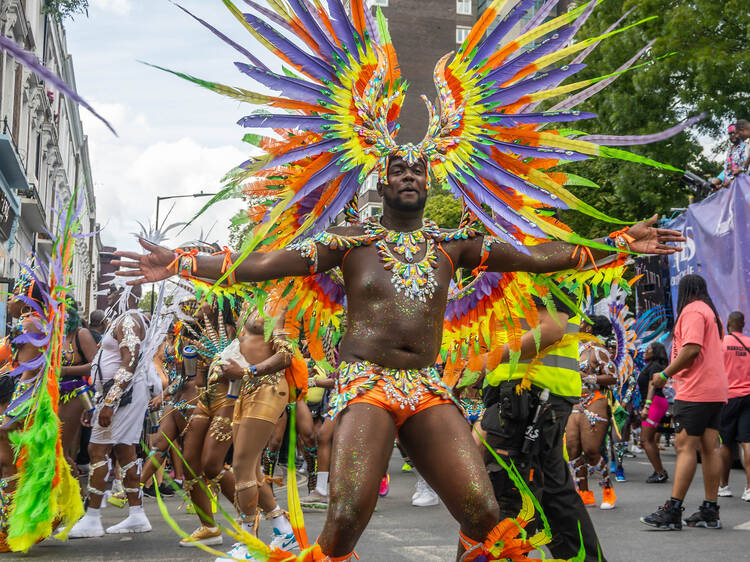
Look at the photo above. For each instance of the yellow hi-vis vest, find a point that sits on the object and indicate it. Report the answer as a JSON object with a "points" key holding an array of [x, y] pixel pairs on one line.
{"points": [[558, 370]]}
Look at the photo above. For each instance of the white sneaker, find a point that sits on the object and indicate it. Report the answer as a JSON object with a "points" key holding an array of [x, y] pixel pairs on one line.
{"points": [[136, 522], [238, 552], [88, 526], [283, 542], [635, 449], [746, 495], [424, 496], [725, 492]]}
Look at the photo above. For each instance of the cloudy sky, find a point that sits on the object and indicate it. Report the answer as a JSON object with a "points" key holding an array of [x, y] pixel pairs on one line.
{"points": [[174, 137]]}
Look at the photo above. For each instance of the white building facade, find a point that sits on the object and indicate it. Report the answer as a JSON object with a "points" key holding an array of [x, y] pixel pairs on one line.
{"points": [[43, 152]]}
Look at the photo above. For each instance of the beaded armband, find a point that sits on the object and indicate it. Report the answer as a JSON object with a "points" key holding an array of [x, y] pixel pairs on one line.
{"points": [[227, 265], [121, 380], [281, 344], [129, 338], [185, 263], [308, 249]]}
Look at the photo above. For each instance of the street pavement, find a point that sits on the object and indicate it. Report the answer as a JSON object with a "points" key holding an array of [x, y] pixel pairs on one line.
{"points": [[399, 532]]}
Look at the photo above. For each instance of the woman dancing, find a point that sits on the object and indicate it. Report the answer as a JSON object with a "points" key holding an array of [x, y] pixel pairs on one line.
{"points": [[208, 436], [588, 423], [654, 407], [263, 398], [79, 350]]}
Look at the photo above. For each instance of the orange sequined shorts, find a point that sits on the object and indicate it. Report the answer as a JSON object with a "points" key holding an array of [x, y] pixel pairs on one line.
{"points": [[400, 392]]}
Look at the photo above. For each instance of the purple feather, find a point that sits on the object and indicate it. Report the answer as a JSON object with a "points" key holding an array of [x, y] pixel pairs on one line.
{"points": [[347, 188], [270, 14], [303, 152], [312, 66], [372, 28], [534, 151], [255, 60], [630, 140], [582, 56], [491, 224], [511, 119], [37, 339], [583, 95], [327, 173], [304, 122], [327, 49], [508, 214], [343, 27], [540, 16], [489, 45], [291, 88], [30, 61], [489, 170], [537, 83]]}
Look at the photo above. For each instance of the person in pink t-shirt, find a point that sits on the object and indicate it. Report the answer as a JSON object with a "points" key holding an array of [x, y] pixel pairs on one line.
{"points": [[735, 419], [700, 382]]}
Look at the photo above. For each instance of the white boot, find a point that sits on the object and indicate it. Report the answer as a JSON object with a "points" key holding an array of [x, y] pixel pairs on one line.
{"points": [[136, 522], [90, 525]]}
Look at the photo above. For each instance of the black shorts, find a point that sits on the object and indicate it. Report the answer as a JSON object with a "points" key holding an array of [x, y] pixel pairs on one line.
{"points": [[735, 420], [696, 417]]}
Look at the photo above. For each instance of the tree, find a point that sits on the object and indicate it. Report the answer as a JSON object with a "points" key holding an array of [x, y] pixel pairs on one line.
{"points": [[148, 301], [709, 72], [60, 9], [444, 209]]}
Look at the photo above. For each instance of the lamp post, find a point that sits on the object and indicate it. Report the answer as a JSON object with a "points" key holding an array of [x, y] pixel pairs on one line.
{"points": [[159, 199]]}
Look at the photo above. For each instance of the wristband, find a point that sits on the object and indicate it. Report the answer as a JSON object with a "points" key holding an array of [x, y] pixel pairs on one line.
{"points": [[621, 240], [648, 402], [185, 263], [664, 377]]}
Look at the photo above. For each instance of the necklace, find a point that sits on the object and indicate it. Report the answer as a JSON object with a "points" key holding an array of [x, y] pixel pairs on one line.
{"points": [[414, 280]]}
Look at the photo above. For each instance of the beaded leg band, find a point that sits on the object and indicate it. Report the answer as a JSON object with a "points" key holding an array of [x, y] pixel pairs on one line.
{"points": [[124, 472], [92, 469], [315, 554]]}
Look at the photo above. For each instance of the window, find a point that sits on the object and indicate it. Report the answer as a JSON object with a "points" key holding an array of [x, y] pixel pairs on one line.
{"points": [[383, 3], [462, 32], [463, 7]]}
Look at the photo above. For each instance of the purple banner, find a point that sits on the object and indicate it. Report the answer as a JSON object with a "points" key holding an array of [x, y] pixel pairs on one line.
{"points": [[718, 247]]}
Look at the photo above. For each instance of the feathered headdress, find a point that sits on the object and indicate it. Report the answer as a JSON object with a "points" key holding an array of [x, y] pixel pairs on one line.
{"points": [[46, 489]]}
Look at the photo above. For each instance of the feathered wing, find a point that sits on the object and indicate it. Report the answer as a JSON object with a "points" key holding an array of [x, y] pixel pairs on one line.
{"points": [[46, 489], [30, 61], [488, 148]]}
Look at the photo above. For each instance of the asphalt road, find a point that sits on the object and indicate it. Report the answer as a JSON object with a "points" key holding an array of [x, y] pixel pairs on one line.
{"points": [[399, 532]]}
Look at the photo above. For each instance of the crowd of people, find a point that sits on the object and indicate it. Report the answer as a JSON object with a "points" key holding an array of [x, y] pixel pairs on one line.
{"points": [[471, 349]]}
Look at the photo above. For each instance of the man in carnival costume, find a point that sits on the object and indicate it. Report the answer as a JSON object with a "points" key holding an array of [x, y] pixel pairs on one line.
{"points": [[121, 384], [397, 271]]}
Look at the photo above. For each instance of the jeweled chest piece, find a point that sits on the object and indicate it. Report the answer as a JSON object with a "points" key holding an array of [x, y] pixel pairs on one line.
{"points": [[415, 280]]}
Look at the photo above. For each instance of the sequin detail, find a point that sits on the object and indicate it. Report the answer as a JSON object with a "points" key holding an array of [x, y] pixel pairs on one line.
{"points": [[129, 338], [473, 409], [405, 387]]}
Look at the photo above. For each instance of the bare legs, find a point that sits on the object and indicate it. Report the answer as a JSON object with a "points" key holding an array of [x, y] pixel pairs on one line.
{"points": [[439, 433], [70, 421], [250, 438], [649, 437], [687, 461], [584, 443], [726, 458], [363, 441], [205, 449]]}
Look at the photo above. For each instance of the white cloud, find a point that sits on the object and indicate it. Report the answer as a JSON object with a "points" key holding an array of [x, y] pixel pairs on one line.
{"points": [[131, 171], [119, 7]]}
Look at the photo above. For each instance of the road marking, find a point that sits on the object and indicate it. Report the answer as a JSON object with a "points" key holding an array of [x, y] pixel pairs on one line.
{"points": [[428, 553], [743, 526]]}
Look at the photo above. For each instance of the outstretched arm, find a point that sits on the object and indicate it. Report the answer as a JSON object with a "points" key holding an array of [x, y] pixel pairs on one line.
{"points": [[557, 256], [156, 264]]}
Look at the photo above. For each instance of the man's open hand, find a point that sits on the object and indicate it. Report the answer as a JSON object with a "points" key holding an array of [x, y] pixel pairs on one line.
{"points": [[650, 240], [146, 268]]}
